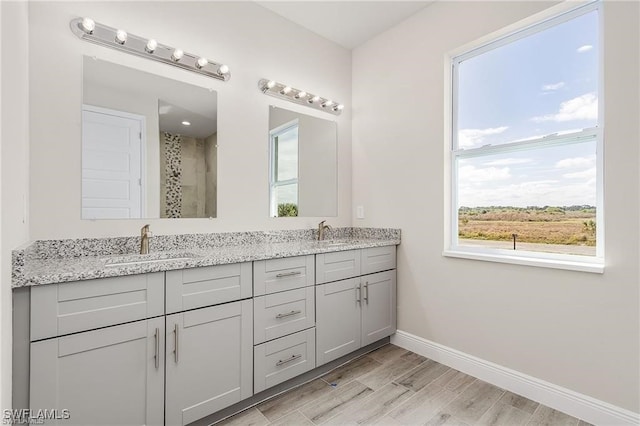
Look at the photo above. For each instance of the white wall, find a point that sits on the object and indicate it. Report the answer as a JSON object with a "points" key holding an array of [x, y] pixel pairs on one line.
{"points": [[577, 330], [253, 41], [14, 168]]}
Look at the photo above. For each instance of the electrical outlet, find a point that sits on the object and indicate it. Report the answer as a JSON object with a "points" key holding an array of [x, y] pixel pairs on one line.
{"points": [[360, 212]]}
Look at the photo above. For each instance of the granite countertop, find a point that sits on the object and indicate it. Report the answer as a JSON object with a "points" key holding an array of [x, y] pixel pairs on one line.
{"points": [[47, 267]]}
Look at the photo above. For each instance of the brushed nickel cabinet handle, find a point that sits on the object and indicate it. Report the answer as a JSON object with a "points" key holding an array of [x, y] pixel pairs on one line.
{"points": [[366, 292], [288, 314], [175, 342], [156, 336], [359, 294], [291, 358], [288, 274]]}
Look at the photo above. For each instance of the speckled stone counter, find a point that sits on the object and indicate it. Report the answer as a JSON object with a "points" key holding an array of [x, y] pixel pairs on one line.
{"points": [[56, 261]]}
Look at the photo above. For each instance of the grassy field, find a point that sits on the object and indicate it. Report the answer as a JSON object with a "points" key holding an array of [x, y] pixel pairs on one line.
{"points": [[573, 225]]}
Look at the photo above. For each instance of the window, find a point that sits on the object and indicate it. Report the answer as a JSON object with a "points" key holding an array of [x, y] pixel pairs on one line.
{"points": [[284, 170], [526, 151]]}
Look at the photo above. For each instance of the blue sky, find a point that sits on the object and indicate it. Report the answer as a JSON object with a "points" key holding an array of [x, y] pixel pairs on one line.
{"points": [[542, 84]]}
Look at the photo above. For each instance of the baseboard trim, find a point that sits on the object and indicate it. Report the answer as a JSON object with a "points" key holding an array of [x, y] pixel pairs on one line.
{"points": [[578, 405]]}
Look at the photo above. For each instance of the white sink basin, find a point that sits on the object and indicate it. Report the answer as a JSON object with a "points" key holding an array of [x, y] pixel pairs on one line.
{"points": [[142, 259]]}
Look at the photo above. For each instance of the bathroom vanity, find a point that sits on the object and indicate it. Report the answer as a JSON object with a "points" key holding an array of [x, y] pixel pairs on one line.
{"points": [[176, 337]]}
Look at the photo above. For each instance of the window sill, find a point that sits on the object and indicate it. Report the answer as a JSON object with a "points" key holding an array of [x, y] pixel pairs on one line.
{"points": [[595, 266]]}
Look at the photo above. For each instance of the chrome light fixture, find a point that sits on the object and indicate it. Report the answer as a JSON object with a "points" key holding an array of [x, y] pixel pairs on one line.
{"points": [[300, 97], [89, 30]]}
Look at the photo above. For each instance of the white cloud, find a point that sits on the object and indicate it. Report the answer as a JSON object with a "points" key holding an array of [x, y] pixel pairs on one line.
{"points": [[576, 162], [585, 48], [583, 174], [473, 174], [553, 86], [543, 192], [508, 161], [583, 107], [468, 138]]}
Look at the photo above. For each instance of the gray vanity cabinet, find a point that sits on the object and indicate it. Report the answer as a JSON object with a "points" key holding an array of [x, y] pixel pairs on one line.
{"points": [[354, 312], [109, 376], [209, 360]]}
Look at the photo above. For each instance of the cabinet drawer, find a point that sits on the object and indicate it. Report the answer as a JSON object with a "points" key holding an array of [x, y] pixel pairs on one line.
{"points": [[283, 359], [59, 309], [377, 259], [206, 286], [271, 276], [279, 314], [337, 266]]}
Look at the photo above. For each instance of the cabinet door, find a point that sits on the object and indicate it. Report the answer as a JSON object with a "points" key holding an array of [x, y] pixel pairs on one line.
{"points": [[111, 376], [337, 319], [209, 360], [378, 306]]}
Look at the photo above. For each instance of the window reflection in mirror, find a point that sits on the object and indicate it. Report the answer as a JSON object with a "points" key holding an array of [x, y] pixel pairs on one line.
{"points": [[302, 165], [284, 170], [149, 145]]}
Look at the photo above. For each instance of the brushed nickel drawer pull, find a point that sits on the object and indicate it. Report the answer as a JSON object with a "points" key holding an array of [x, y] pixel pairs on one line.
{"points": [[359, 294], [366, 292], [288, 314], [292, 358], [288, 274], [175, 342], [157, 341]]}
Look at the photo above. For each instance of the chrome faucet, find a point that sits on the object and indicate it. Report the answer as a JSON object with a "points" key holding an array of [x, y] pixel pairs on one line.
{"points": [[145, 234], [321, 228]]}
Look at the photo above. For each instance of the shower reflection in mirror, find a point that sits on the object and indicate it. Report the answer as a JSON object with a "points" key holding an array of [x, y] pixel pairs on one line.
{"points": [[149, 145]]}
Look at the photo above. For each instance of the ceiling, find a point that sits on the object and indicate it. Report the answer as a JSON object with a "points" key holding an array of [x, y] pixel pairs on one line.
{"points": [[177, 101], [348, 23]]}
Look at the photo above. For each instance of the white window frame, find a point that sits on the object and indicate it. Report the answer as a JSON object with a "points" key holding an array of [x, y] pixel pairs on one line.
{"points": [[273, 182], [537, 23]]}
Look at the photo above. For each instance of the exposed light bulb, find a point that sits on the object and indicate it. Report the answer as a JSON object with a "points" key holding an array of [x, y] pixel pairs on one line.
{"points": [[177, 55], [285, 90], [223, 69], [315, 98], [268, 85], [301, 94], [151, 46], [201, 63], [88, 25], [338, 107], [186, 123], [327, 103], [121, 36]]}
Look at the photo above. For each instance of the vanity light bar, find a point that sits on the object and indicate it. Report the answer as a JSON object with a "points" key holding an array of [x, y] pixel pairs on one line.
{"points": [[89, 30], [300, 97]]}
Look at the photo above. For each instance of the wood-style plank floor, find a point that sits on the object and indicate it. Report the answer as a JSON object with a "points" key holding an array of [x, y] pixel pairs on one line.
{"points": [[392, 386]]}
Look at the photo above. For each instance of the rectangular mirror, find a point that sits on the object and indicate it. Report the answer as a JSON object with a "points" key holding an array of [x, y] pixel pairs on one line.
{"points": [[303, 176], [149, 145]]}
